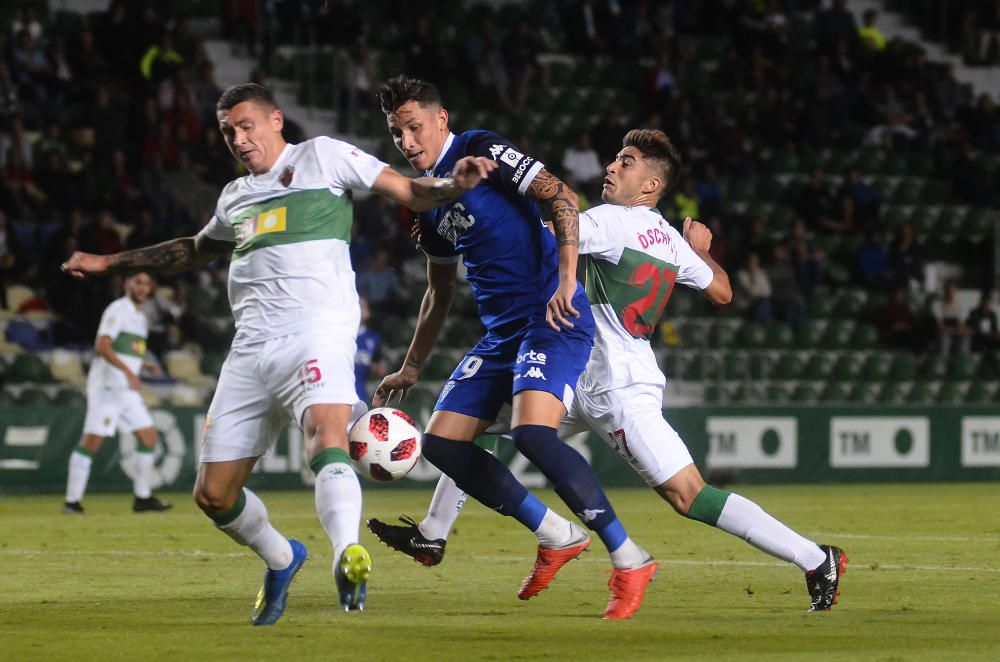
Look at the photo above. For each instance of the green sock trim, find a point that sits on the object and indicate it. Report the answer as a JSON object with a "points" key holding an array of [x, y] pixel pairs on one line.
{"points": [[234, 512], [83, 450], [141, 448], [488, 442], [328, 456], [707, 506]]}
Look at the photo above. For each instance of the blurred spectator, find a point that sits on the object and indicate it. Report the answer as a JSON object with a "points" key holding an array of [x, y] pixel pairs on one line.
{"points": [[161, 60], [145, 233], [982, 322], [870, 35], [522, 51], [30, 67], [816, 206], [586, 23], [378, 282], [755, 287], [28, 21], [895, 322], [873, 262], [10, 259], [368, 358], [686, 200], [607, 135], [785, 299], [581, 160], [950, 317], [719, 250], [859, 203], [809, 260], [101, 236], [906, 259], [836, 25]]}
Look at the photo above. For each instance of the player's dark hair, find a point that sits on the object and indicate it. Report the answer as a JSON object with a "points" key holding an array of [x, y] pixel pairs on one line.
{"points": [[237, 94], [400, 89], [655, 146]]}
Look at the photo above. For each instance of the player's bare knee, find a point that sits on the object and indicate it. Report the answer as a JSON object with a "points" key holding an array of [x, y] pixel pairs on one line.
{"points": [[679, 500], [213, 500]]}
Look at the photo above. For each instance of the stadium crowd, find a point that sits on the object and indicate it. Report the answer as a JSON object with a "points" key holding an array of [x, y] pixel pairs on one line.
{"points": [[801, 129]]}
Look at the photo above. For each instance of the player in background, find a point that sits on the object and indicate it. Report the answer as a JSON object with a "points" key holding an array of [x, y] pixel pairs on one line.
{"points": [[368, 357], [633, 258], [113, 396], [286, 225], [539, 332]]}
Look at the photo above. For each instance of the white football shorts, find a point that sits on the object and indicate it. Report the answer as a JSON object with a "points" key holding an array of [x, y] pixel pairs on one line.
{"points": [[265, 385], [630, 420], [107, 407]]}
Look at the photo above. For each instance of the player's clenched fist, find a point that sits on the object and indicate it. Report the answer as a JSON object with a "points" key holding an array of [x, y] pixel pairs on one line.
{"points": [[697, 234], [80, 265]]}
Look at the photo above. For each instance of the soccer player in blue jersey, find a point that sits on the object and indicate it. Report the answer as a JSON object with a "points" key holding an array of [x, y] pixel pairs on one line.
{"points": [[539, 333]]}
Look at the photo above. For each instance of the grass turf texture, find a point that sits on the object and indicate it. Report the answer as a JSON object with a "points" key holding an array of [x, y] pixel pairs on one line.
{"points": [[923, 583]]}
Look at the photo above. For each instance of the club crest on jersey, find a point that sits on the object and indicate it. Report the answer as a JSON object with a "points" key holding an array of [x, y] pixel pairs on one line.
{"points": [[286, 176]]}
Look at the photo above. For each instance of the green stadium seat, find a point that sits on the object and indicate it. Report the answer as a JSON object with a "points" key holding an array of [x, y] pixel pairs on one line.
{"points": [[786, 161], [68, 397], [838, 274], [904, 366], [7, 400], [870, 161], [780, 220], [736, 366], [32, 397], [776, 392], [779, 336], [935, 191], [440, 366], [746, 393], [847, 367], [934, 368], [894, 164], [803, 393], [980, 392], [821, 307], [908, 192], [962, 367], [211, 364], [819, 366], [895, 217], [893, 393], [864, 336], [921, 393], [838, 333], [740, 190], [950, 393], [714, 394], [979, 223], [810, 334], [752, 335], [788, 367], [692, 334], [29, 368], [850, 304], [835, 392], [761, 366], [864, 392], [704, 366], [722, 334], [926, 219]]}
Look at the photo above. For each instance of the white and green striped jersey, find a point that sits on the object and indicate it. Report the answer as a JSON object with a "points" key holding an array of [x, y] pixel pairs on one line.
{"points": [[632, 259], [124, 322], [291, 266]]}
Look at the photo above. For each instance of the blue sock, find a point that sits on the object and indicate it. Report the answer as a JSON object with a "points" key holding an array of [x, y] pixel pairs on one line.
{"points": [[573, 480], [483, 476]]}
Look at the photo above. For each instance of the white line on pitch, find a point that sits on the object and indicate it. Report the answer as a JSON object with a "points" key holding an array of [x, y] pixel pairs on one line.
{"points": [[493, 558], [863, 536]]}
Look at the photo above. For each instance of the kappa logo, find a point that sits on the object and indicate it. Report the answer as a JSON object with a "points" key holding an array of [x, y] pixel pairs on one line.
{"points": [[534, 372], [589, 515], [496, 151], [511, 156]]}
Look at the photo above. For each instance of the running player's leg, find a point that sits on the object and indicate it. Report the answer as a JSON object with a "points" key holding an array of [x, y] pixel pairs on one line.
{"points": [[78, 471], [243, 421], [136, 418], [631, 420]]}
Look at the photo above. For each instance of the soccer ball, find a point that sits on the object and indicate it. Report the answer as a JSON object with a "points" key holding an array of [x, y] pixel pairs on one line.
{"points": [[384, 444]]}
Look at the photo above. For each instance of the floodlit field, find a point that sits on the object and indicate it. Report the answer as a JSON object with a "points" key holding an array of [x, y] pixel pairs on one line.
{"points": [[923, 583]]}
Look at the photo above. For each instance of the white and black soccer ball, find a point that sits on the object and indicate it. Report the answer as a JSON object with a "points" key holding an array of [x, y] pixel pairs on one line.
{"points": [[384, 444]]}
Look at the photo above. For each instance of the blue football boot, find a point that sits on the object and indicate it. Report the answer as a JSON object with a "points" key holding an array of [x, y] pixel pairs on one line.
{"points": [[352, 572], [271, 598]]}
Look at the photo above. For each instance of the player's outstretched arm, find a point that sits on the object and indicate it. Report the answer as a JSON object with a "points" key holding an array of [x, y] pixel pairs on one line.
{"points": [[433, 312], [424, 193], [719, 291], [173, 255], [560, 206]]}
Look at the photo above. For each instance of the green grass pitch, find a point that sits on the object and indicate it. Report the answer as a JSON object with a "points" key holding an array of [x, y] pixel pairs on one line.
{"points": [[923, 583]]}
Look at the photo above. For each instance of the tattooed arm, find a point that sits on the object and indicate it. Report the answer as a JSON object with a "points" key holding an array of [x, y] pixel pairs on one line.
{"points": [[424, 193], [174, 255], [561, 207]]}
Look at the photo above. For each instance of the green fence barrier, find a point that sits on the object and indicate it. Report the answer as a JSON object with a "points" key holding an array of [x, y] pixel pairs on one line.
{"points": [[749, 444]]}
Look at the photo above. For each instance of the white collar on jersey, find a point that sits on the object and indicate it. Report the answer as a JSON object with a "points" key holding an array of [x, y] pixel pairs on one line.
{"points": [[444, 150], [286, 152]]}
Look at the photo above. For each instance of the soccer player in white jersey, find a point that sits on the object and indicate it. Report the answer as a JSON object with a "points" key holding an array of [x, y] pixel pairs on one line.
{"points": [[633, 259], [291, 287], [113, 397]]}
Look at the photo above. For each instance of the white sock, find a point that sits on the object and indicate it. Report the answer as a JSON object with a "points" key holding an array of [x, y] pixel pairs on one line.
{"points": [[556, 531], [629, 555], [745, 519], [251, 529], [446, 505], [78, 475], [142, 484], [338, 504]]}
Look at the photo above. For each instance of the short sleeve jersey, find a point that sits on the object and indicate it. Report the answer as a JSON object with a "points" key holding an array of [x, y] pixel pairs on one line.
{"points": [[510, 256], [291, 228], [633, 258], [128, 329]]}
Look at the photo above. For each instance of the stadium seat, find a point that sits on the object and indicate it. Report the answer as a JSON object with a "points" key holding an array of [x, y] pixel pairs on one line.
{"points": [[819, 366], [714, 394], [16, 295], [736, 366], [810, 334], [821, 307], [835, 392], [803, 393], [440, 366], [151, 398], [788, 367], [876, 366], [29, 368], [183, 366], [211, 364], [67, 367], [182, 395], [752, 335], [776, 392], [33, 397], [838, 334], [704, 366], [780, 336], [69, 397], [746, 393], [980, 392], [7, 400], [950, 393], [893, 393], [847, 367], [934, 368], [904, 366], [864, 392], [722, 334], [921, 393], [962, 367], [761, 366]]}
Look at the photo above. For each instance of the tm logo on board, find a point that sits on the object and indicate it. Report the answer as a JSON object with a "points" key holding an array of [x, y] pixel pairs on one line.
{"points": [[868, 442], [752, 442], [980, 441]]}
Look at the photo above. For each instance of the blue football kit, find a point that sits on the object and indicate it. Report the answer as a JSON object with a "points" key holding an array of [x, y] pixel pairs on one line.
{"points": [[511, 260]]}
